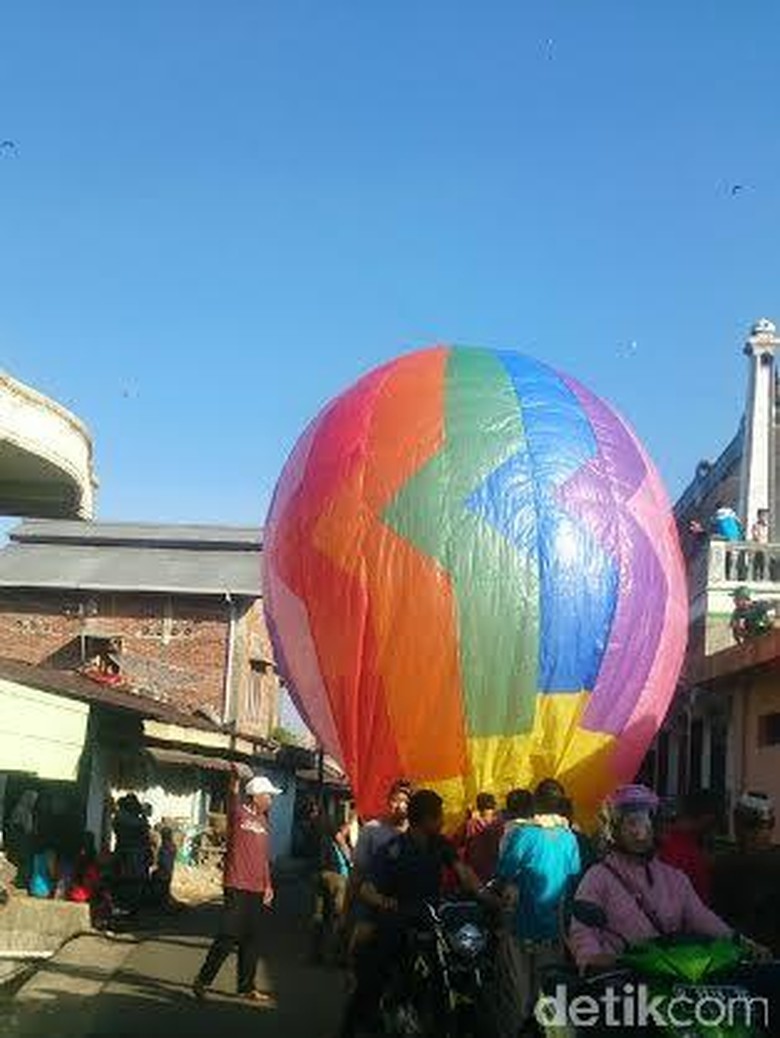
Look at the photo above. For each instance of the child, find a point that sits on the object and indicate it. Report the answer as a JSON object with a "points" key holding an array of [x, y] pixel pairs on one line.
{"points": [[163, 873], [86, 875], [42, 875]]}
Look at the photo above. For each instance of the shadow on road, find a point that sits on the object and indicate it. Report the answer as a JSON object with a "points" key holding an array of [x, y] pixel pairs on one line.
{"points": [[149, 994]]}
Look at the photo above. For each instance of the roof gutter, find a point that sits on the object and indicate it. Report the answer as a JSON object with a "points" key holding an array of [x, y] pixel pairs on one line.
{"points": [[156, 589]]}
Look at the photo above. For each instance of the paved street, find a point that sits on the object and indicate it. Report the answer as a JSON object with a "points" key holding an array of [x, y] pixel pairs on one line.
{"points": [[141, 988]]}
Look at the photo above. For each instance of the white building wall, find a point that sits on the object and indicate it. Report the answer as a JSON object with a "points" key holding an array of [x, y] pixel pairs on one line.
{"points": [[186, 808], [192, 809]]}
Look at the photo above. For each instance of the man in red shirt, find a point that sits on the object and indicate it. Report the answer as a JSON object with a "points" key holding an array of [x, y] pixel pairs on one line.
{"points": [[480, 837], [684, 844], [248, 887]]}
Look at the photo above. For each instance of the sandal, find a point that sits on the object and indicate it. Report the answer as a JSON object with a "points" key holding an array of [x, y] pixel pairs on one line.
{"points": [[259, 998]]}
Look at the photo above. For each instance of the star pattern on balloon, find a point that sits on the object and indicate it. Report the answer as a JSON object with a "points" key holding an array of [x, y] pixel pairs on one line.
{"points": [[522, 499], [445, 489]]}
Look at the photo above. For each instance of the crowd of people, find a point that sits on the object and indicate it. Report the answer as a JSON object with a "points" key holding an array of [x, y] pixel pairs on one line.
{"points": [[651, 876], [55, 858], [750, 618], [143, 858]]}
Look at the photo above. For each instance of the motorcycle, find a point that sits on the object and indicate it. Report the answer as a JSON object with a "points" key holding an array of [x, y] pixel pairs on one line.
{"points": [[681, 986], [442, 981]]}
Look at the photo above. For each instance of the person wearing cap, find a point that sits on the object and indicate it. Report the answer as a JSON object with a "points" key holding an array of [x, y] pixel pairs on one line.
{"points": [[248, 889], [749, 619], [725, 524], [746, 883]]}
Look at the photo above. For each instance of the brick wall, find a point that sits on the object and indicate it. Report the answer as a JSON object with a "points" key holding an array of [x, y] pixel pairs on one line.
{"points": [[175, 646]]}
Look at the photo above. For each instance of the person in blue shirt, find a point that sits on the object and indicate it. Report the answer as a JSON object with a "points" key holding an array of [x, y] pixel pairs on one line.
{"points": [[539, 862], [42, 881], [725, 524]]}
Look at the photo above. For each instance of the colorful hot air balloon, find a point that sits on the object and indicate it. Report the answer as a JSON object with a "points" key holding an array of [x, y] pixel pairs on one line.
{"points": [[473, 580]]}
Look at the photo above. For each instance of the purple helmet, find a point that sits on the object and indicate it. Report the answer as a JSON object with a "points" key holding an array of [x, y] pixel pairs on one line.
{"points": [[633, 798], [626, 800]]}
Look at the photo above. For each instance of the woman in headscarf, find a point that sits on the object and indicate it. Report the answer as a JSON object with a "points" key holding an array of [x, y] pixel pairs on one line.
{"points": [[21, 835]]}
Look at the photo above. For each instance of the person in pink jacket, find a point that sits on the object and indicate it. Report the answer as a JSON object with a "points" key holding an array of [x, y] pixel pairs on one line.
{"points": [[641, 896]]}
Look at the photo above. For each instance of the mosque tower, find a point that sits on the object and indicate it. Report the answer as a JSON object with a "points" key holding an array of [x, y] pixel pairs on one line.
{"points": [[759, 471]]}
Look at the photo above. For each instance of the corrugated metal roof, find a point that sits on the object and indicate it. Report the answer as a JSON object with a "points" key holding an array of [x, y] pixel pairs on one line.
{"points": [[161, 535], [94, 565]]}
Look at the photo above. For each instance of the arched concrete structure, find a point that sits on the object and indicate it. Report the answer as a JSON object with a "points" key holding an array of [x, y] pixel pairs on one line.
{"points": [[46, 463]]}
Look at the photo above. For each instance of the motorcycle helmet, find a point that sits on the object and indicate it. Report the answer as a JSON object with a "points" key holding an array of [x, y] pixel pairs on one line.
{"points": [[755, 810], [639, 804]]}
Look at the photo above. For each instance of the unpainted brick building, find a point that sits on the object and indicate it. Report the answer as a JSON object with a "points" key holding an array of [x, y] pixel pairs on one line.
{"points": [[176, 609]]}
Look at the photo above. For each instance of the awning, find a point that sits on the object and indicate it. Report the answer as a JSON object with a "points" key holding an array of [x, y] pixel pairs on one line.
{"points": [[41, 733], [330, 779], [210, 739], [163, 755]]}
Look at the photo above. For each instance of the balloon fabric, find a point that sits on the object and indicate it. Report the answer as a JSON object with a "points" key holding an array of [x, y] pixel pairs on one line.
{"points": [[473, 580]]}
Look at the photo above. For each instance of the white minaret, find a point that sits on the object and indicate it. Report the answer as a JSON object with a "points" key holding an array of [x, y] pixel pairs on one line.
{"points": [[758, 456]]}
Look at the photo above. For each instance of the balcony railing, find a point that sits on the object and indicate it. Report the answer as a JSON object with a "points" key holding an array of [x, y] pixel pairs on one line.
{"points": [[727, 564]]}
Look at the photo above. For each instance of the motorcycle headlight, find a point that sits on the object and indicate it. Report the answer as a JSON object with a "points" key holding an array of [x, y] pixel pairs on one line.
{"points": [[468, 940]]}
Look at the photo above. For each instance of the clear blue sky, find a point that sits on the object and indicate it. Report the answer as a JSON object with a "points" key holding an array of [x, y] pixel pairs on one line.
{"points": [[219, 214]]}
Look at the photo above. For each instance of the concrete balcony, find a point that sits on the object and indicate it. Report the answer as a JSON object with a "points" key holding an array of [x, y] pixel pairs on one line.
{"points": [[715, 572], [46, 464]]}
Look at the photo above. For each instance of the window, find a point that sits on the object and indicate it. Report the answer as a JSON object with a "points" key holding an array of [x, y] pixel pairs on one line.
{"points": [[257, 702], [102, 657], [769, 730], [255, 696]]}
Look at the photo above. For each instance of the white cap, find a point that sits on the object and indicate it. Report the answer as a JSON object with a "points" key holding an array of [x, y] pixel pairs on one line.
{"points": [[259, 785]]}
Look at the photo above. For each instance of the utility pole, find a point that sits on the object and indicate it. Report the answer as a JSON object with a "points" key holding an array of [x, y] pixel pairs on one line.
{"points": [[321, 777]]}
